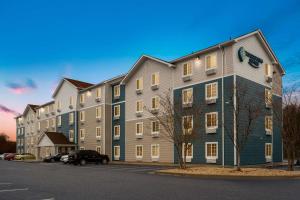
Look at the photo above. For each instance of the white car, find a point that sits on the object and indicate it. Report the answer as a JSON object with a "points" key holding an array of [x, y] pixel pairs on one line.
{"points": [[64, 159]]}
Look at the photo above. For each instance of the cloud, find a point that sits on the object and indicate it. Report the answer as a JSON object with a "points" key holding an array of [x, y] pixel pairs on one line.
{"points": [[21, 88], [8, 110]]}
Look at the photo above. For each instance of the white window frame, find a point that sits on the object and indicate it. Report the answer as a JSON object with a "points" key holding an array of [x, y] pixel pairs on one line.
{"points": [[156, 79], [117, 91], [155, 132], [118, 115], [98, 128], [188, 64], [269, 68], [187, 156], [183, 92], [267, 118], [136, 151], [53, 122], [214, 67], [117, 156], [82, 98], [206, 151], [97, 149], [158, 150], [119, 129], [182, 122], [267, 93], [82, 116], [98, 92], [71, 118], [71, 139], [71, 101], [141, 84], [82, 133], [59, 120], [156, 102], [268, 157], [47, 123], [142, 105], [39, 127], [98, 111], [206, 90], [211, 127], [142, 131]]}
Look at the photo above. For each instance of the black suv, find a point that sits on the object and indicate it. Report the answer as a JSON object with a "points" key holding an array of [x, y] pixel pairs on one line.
{"points": [[86, 156]]}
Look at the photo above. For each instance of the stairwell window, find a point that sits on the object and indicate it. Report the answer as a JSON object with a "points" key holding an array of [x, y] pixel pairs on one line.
{"points": [[187, 124], [211, 91], [155, 79], [139, 128], [82, 98], [187, 96], [210, 61], [117, 111], [211, 151], [117, 91], [59, 121], [98, 112], [268, 125], [187, 69], [268, 151], [98, 132], [139, 106], [155, 103], [71, 135], [82, 116], [82, 134], [139, 84], [139, 151], [154, 151], [268, 97], [117, 132], [71, 118], [116, 152]]}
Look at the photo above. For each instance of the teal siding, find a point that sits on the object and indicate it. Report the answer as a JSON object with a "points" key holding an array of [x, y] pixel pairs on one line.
{"points": [[277, 128], [65, 126]]}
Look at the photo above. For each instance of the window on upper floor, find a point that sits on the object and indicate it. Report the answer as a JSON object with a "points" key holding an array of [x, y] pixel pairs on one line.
{"points": [[58, 120], [117, 111], [189, 150], [117, 91], [82, 98], [210, 61], [98, 132], [98, 112], [58, 104], [117, 131], [268, 97], [268, 124], [98, 93], [268, 70], [211, 91], [82, 133], [71, 135], [47, 123], [139, 106], [71, 118], [187, 124], [187, 96], [139, 128], [39, 125], [139, 83], [53, 122], [155, 103], [71, 101], [187, 69], [155, 127], [211, 120], [155, 79], [82, 116]]}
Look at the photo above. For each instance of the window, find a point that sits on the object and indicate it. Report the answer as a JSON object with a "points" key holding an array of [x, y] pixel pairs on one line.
{"points": [[82, 116], [268, 150], [139, 84], [71, 118], [154, 102], [71, 135], [98, 93], [211, 120], [155, 150], [58, 105], [98, 112], [155, 79], [82, 98], [211, 61], [116, 152], [155, 127], [268, 123], [39, 126], [117, 131], [211, 90], [187, 124], [189, 150], [117, 111], [268, 70], [187, 69], [82, 134], [139, 106], [71, 101], [59, 121], [81, 148], [139, 128], [47, 109], [187, 96], [98, 132], [139, 151], [211, 150], [117, 91], [47, 123], [98, 149], [53, 122], [268, 97]]}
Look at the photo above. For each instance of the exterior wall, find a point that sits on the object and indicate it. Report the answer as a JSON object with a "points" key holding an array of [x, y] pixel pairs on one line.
{"points": [[63, 96], [121, 121], [30, 132], [277, 128], [165, 83], [20, 139], [66, 126], [198, 68]]}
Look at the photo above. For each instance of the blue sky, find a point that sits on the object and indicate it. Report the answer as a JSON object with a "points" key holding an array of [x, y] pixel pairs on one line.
{"points": [[41, 41]]}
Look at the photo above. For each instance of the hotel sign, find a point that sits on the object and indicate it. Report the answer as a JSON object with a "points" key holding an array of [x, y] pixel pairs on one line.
{"points": [[254, 61]]}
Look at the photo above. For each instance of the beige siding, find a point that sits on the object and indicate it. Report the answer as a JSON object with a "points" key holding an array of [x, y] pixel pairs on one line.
{"points": [[66, 91], [90, 97]]}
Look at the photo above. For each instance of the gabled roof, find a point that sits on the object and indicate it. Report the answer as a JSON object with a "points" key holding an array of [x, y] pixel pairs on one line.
{"points": [[79, 85], [57, 138], [30, 106], [141, 60], [231, 42]]}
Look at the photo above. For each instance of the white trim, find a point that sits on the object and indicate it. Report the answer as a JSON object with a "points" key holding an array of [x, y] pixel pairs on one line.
{"points": [[157, 76], [217, 149], [114, 87], [99, 127], [142, 106], [97, 149], [182, 119], [268, 158], [188, 158], [158, 151], [119, 128], [205, 61], [117, 157], [119, 111], [119, 102], [182, 95], [156, 132], [140, 156], [188, 63], [96, 105], [217, 121], [82, 130], [142, 126], [217, 90]]}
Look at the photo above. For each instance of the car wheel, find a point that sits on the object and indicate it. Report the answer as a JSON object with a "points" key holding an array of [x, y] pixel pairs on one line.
{"points": [[82, 162]]}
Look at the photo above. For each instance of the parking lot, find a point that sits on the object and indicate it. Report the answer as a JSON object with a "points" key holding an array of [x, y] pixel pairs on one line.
{"points": [[19, 180]]}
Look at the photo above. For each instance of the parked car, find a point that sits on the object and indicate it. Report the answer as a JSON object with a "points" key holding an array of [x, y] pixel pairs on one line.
{"points": [[2, 156], [65, 159], [9, 156], [25, 156], [54, 158], [87, 156]]}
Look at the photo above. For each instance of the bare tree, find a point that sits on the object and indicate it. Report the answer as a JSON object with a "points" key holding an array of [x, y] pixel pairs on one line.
{"points": [[245, 110], [289, 120], [180, 123]]}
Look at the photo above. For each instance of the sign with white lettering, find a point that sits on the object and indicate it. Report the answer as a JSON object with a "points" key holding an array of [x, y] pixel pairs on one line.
{"points": [[254, 61]]}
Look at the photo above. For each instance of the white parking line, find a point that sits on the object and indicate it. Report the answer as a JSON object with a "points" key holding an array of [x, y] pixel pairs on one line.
{"points": [[14, 190]]}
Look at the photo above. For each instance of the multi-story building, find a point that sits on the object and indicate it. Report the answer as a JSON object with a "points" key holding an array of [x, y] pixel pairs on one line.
{"points": [[20, 137], [116, 116]]}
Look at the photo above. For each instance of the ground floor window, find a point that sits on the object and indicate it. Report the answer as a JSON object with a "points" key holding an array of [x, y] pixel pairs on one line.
{"points": [[155, 150], [211, 150], [268, 150], [189, 150], [98, 149], [139, 151], [71, 135], [82, 148], [116, 152]]}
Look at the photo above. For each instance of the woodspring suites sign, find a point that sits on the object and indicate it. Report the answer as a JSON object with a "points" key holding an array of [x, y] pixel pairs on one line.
{"points": [[254, 61]]}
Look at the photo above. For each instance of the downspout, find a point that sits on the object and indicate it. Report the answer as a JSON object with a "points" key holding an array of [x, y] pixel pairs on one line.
{"points": [[234, 118], [223, 134], [104, 117]]}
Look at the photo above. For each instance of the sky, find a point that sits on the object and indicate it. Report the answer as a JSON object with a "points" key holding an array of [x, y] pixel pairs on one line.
{"points": [[43, 41]]}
